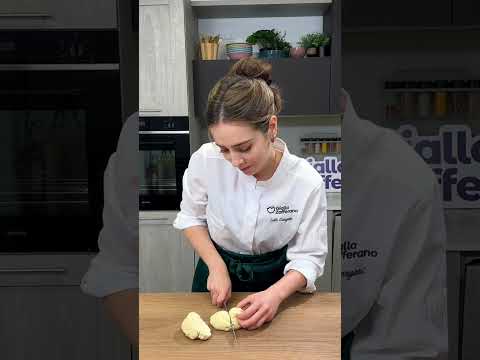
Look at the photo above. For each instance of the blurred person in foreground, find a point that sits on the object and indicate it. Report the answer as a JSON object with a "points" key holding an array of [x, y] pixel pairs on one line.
{"points": [[393, 247], [113, 273]]}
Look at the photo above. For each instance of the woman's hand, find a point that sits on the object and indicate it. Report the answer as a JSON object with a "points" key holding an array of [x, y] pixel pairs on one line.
{"points": [[262, 308], [219, 285]]}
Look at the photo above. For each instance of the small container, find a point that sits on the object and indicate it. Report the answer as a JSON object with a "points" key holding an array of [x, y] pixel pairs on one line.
{"points": [[440, 99], [331, 146], [324, 147], [409, 101], [424, 101], [390, 100], [461, 97], [474, 100]]}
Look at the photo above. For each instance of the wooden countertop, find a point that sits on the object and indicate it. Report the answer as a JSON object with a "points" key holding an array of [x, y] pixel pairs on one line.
{"points": [[307, 326]]}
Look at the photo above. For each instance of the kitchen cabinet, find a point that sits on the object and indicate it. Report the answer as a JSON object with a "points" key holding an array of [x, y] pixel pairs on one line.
{"points": [[58, 14], [28, 311], [306, 93], [45, 315], [471, 314], [381, 13], [162, 59], [166, 256], [466, 12]]}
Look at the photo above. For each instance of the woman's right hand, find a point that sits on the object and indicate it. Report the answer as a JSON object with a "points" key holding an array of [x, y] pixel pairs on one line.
{"points": [[219, 285]]}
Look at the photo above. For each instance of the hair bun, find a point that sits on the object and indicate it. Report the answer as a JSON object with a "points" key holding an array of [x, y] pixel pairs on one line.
{"points": [[252, 68]]}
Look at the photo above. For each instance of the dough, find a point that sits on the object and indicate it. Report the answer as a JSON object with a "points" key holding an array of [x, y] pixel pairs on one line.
{"points": [[221, 321], [195, 328]]}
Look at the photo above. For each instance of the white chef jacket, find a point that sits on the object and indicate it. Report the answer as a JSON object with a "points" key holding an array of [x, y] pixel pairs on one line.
{"points": [[247, 216], [115, 267], [393, 247]]}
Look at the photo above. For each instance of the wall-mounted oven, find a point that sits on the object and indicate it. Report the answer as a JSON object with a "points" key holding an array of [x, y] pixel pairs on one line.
{"points": [[60, 117], [164, 155]]}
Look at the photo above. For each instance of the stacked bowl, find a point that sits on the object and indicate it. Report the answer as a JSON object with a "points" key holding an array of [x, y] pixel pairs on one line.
{"points": [[237, 51]]}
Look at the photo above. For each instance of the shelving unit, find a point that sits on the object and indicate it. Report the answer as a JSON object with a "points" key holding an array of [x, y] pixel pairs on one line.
{"points": [[310, 86]]}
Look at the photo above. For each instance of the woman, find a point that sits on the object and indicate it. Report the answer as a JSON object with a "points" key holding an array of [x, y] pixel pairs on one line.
{"points": [[253, 212]]}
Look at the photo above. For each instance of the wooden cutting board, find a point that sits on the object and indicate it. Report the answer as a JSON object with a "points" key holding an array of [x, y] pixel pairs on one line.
{"points": [[307, 326]]}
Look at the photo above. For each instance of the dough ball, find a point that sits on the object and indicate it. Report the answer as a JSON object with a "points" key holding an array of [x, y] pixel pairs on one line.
{"points": [[221, 321], [195, 328]]}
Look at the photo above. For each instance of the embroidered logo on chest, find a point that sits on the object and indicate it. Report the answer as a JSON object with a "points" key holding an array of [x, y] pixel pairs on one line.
{"points": [[281, 210], [285, 209]]}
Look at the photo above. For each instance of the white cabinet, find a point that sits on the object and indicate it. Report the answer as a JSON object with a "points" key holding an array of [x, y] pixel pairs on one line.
{"points": [[45, 315], [162, 59], [58, 14], [166, 256], [28, 311]]}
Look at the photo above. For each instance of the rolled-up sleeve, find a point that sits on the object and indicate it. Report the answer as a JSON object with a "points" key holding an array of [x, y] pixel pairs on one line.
{"points": [[307, 251], [194, 194]]}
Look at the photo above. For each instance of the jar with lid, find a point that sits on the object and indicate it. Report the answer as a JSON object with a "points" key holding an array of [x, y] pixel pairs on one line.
{"points": [[440, 98], [408, 100], [424, 100], [391, 100], [474, 101]]}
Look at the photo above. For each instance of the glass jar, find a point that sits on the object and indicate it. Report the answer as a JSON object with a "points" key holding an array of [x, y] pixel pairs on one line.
{"points": [[474, 101], [409, 101], [440, 99], [424, 100]]}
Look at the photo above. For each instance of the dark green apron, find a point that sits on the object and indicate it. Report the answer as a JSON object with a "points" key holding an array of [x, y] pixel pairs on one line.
{"points": [[248, 273], [347, 341]]}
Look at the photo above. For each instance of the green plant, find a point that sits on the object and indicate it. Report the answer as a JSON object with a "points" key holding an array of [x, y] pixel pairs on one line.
{"points": [[314, 40], [269, 40]]}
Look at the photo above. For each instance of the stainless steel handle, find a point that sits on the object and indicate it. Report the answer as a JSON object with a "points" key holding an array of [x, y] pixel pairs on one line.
{"points": [[164, 132], [32, 270], [59, 67], [149, 113], [25, 15]]}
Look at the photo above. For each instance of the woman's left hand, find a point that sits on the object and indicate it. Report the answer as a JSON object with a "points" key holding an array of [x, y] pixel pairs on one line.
{"points": [[262, 308]]}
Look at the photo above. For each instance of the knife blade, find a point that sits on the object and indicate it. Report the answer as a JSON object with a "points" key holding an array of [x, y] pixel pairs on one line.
{"points": [[231, 323]]}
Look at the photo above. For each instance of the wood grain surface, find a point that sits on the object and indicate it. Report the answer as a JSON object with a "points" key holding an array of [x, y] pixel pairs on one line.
{"points": [[307, 326]]}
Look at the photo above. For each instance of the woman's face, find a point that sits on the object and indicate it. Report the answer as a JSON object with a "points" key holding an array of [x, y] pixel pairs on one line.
{"points": [[246, 148]]}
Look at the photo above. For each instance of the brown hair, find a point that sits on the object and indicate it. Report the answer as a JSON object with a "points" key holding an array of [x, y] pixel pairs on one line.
{"points": [[245, 93]]}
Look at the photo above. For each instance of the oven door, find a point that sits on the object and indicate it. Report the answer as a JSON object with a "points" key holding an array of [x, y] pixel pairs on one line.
{"points": [[58, 129], [164, 156]]}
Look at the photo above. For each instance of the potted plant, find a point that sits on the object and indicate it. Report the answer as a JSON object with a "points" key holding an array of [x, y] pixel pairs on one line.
{"points": [[271, 43], [314, 43], [297, 52]]}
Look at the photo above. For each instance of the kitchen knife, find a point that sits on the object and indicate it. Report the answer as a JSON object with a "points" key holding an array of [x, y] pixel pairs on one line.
{"points": [[231, 323]]}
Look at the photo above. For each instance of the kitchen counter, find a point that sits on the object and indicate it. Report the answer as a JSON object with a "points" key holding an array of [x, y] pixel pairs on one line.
{"points": [[307, 326]]}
